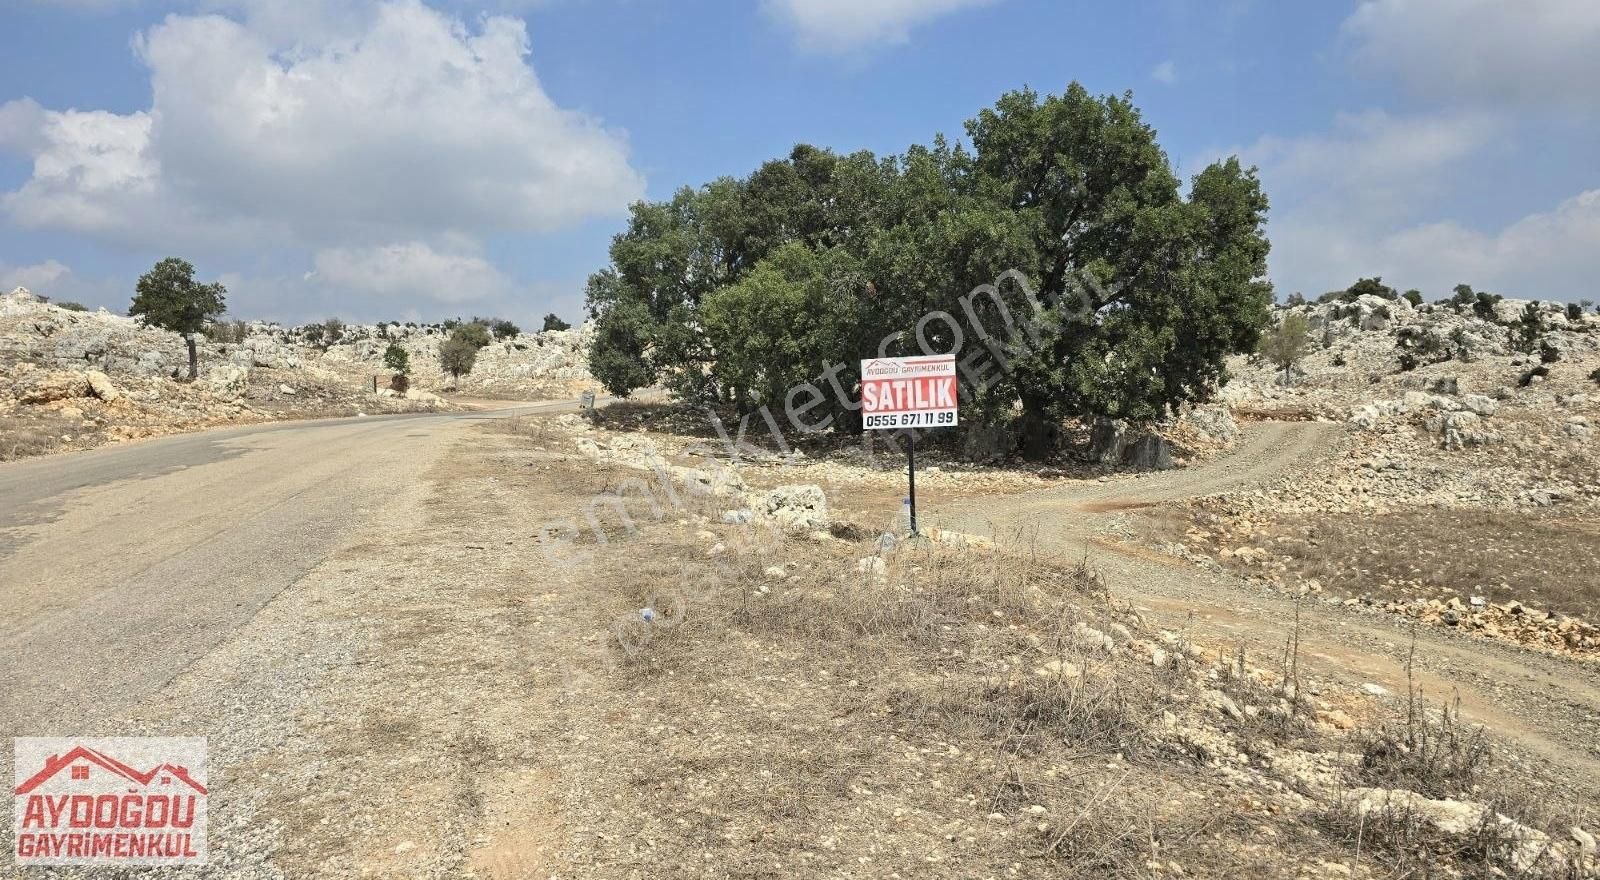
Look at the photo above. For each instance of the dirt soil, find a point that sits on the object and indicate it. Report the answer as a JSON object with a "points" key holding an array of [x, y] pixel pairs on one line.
{"points": [[470, 690], [1542, 559], [1550, 704]]}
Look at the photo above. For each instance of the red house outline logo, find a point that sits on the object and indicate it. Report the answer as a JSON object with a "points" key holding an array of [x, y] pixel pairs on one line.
{"points": [[57, 763]]}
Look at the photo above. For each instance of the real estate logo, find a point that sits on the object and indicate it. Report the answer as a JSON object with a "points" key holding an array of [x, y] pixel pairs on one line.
{"points": [[112, 801]]}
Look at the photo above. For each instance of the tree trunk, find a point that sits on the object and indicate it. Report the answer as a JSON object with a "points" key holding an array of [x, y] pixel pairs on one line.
{"points": [[1037, 434], [194, 361]]}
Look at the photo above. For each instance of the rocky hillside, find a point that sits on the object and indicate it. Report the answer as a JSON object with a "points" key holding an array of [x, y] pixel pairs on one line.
{"points": [[1442, 408], [1462, 493], [76, 379]]}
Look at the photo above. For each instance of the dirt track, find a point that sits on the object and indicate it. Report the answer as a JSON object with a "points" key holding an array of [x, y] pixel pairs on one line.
{"points": [[1547, 706]]}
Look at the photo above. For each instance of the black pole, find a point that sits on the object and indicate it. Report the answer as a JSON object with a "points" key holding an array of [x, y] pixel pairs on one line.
{"points": [[911, 476]]}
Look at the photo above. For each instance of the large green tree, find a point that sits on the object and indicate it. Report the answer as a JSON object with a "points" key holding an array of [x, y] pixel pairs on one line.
{"points": [[167, 296], [739, 290]]}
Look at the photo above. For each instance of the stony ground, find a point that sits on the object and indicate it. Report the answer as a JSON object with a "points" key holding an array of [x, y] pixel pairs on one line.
{"points": [[587, 647], [471, 690], [73, 380]]}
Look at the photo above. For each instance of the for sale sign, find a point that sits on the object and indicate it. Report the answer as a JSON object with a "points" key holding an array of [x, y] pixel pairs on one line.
{"points": [[911, 392]]}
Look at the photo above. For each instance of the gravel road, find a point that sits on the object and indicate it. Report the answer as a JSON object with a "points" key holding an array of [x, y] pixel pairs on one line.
{"points": [[119, 566], [1547, 706]]}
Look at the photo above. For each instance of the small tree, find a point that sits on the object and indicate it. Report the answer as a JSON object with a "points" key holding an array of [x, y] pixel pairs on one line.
{"points": [[1285, 344], [1413, 296], [332, 332], [1574, 312], [504, 329], [397, 359], [1527, 333], [475, 333], [553, 322], [168, 296], [457, 356]]}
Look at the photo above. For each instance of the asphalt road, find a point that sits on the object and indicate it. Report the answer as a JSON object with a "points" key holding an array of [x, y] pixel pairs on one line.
{"points": [[121, 565]]}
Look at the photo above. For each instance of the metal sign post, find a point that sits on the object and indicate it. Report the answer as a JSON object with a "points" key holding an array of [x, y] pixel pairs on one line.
{"points": [[911, 476], [908, 394]]}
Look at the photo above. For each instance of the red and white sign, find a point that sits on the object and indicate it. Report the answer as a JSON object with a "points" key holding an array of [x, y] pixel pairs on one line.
{"points": [[911, 392], [114, 801]]}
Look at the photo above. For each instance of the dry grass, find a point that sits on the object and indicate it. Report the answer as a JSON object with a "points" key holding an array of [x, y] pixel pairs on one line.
{"points": [[34, 431], [1543, 560], [1430, 752], [789, 713], [1399, 843], [907, 713]]}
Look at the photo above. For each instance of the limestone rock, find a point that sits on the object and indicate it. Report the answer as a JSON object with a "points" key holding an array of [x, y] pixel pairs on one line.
{"points": [[796, 508], [50, 386], [1151, 452], [101, 386], [227, 381]]}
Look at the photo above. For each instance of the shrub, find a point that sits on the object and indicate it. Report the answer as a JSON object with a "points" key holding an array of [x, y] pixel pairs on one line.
{"points": [[397, 359], [1285, 344], [1525, 335], [226, 331], [72, 306], [1296, 299], [1414, 297], [457, 355], [400, 383], [1548, 354], [1484, 305], [473, 333], [1595, 376], [332, 332], [1433, 754], [1408, 361], [552, 322], [504, 329], [1574, 312]]}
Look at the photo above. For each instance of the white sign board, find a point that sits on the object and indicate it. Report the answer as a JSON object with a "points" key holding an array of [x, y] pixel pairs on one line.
{"points": [[911, 392]]}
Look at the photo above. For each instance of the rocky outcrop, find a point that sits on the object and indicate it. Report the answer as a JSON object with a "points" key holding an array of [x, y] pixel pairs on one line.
{"points": [[50, 386], [789, 508], [529, 365]]}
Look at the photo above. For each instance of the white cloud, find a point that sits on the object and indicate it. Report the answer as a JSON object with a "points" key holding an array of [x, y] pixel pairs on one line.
{"points": [[37, 277], [845, 25], [1166, 73], [1528, 53], [414, 127], [57, 281], [92, 171], [1371, 167], [1546, 255], [22, 125], [411, 271], [1361, 199], [1368, 196]]}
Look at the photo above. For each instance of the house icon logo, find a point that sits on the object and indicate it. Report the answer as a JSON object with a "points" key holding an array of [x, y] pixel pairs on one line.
{"points": [[127, 800]]}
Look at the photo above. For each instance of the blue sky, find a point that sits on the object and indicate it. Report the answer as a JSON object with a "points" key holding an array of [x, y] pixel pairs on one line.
{"points": [[394, 159]]}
